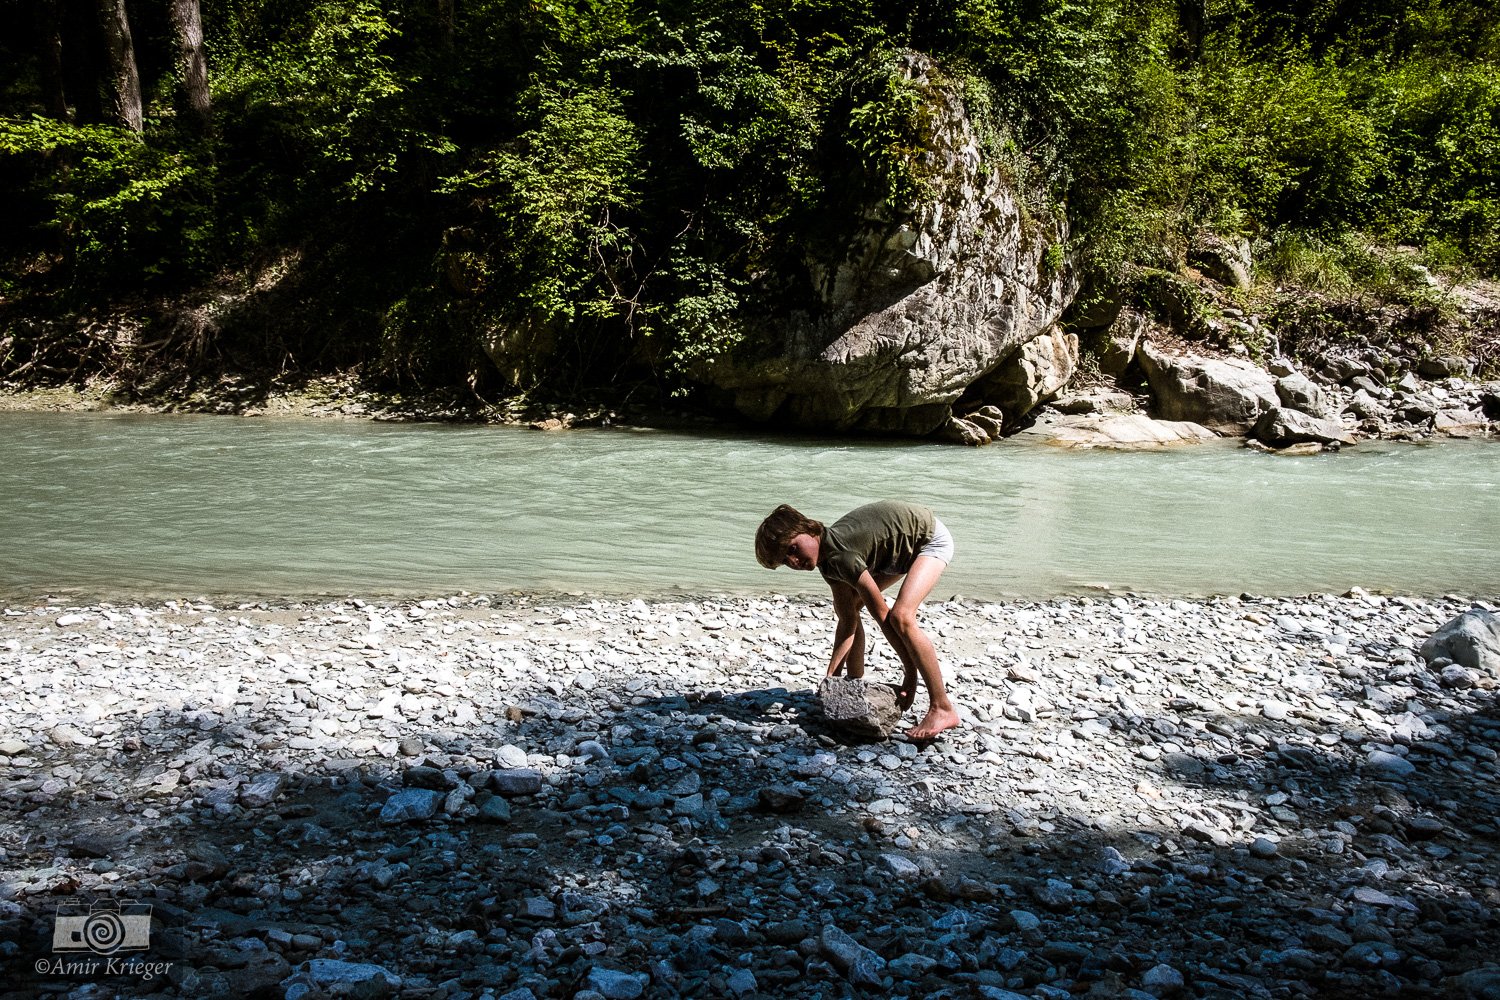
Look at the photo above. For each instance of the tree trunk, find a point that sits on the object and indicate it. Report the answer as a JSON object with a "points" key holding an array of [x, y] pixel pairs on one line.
{"points": [[50, 49], [187, 23], [445, 23], [122, 79]]}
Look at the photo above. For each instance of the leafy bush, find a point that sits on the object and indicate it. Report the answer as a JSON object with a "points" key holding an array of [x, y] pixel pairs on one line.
{"points": [[121, 213]]}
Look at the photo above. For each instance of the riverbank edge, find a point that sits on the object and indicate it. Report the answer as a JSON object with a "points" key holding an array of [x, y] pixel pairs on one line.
{"points": [[342, 398]]}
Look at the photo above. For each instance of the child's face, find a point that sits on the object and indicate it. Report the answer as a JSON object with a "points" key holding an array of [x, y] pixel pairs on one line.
{"points": [[801, 552]]}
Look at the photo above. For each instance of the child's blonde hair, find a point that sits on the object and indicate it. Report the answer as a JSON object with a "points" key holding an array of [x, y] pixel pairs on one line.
{"points": [[777, 531]]}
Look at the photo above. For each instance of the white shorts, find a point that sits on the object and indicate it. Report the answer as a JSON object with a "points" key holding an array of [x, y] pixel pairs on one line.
{"points": [[941, 544]]}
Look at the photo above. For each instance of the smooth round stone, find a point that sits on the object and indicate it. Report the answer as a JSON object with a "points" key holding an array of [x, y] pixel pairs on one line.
{"points": [[1260, 847]]}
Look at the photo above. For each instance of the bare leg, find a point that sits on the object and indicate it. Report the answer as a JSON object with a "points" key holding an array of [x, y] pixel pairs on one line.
{"points": [[920, 579]]}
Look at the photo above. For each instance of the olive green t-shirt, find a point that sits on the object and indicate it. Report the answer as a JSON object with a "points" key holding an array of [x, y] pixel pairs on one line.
{"points": [[882, 537]]}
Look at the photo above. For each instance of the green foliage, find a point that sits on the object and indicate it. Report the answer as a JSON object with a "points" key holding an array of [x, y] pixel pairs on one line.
{"points": [[119, 211], [630, 184], [552, 198]]}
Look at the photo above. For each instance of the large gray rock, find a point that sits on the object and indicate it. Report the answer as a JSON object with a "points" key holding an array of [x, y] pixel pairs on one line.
{"points": [[859, 707], [918, 303], [860, 965], [1033, 374], [1224, 260], [350, 979], [1224, 395], [1281, 426], [1121, 432], [1300, 393], [1471, 640], [1117, 345]]}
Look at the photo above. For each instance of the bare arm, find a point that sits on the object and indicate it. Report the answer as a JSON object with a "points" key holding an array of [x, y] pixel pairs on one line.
{"points": [[849, 638], [874, 601]]}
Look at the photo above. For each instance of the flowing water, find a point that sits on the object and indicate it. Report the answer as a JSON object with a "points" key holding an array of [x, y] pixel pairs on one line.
{"points": [[113, 505]]}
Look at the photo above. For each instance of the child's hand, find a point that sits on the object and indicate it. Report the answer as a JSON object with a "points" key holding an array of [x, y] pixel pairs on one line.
{"points": [[907, 692]]}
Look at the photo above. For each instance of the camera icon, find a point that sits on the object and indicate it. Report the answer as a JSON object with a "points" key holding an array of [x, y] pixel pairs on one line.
{"points": [[104, 928]]}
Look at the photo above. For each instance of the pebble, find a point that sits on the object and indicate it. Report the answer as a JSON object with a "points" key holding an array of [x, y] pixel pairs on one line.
{"points": [[524, 797]]}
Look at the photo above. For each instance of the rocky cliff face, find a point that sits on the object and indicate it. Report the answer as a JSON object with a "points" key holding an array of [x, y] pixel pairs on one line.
{"points": [[925, 301]]}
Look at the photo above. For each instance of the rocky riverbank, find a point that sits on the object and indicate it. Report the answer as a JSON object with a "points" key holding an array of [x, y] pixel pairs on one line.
{"points": [[1237, 797]]}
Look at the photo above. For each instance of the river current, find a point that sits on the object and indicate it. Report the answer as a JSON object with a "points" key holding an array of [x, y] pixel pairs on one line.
{"points": [[113, 505]]}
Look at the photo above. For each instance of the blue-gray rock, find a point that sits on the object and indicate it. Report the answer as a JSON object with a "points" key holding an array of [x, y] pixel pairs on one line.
{"points": [[1264, 849], [860, 965], [494, 810], [900, 868], [615, 985], [521, 994], [911, 966], [996, 993], [1471, 640], [362, 980], [411, 804], [1388, 765], [1163, 981], [1024, 921], [1481, 984], [1372, 955], [741, 981], [516, 781]]}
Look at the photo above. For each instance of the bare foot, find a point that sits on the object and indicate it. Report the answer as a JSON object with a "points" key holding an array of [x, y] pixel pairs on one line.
{"points": [[937, 720]]}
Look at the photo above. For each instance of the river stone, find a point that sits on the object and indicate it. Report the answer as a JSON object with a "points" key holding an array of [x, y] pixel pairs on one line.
{"points": [[352, 979], [1119, 432], [914, 303], [1281, 426], [1298, 392], [1223, 395], [1117, 345], [859, 707], [1470, 640], [860, 965], [1389, 765], [615, 985], [1163, 981], [411, 804], [516, 781], [1032, 375]]}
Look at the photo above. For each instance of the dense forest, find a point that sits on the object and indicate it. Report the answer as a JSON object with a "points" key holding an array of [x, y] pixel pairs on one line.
{"points": [[622, 183]]}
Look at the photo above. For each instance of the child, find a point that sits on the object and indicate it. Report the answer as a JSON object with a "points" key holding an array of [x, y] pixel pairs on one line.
{"points": [[860, 555]]}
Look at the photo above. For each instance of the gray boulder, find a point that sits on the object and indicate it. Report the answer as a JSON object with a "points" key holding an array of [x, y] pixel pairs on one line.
{"points": [[1224, 260], [411, 804], [350, 979], [1444, 366], [918, 303], [860, 965], [1117, 345], [1300, 393], [1224, 395], [1281, 426], [858, 707], [1034, 374], [1471, 640]]}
